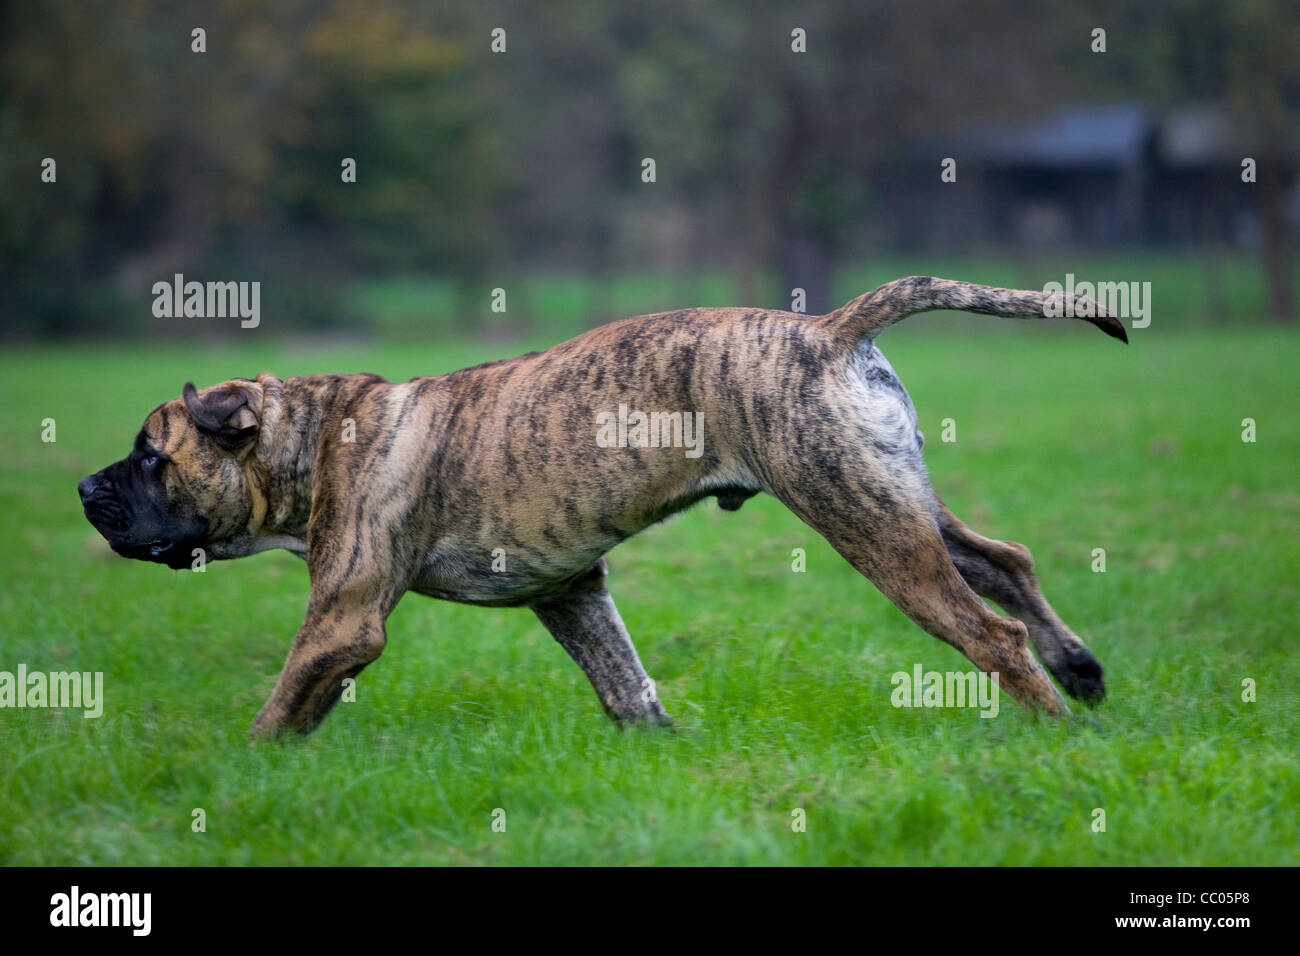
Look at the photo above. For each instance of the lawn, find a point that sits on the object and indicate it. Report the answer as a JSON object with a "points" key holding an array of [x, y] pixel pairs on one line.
{"points": [[1066, 441]]}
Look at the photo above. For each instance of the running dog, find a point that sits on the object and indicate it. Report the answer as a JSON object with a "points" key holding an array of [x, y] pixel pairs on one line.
{"points": [[505, 484]]}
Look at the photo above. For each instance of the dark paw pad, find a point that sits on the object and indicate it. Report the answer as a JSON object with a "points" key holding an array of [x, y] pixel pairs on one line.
{"points": [[1081, 676]]}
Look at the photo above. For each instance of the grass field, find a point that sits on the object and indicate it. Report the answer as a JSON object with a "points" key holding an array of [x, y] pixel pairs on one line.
{"points": [[1066, 441], [1198, 289]]}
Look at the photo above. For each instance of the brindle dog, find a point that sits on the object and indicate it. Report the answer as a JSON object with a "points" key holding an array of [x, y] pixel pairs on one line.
{"points": [[489, 486]]}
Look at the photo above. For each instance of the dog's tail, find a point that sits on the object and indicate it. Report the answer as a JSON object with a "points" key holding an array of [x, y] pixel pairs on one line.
{"points": [[865, 316]]}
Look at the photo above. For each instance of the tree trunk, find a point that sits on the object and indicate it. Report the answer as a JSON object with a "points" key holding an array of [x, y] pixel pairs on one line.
{"points": [[1276, 241]]}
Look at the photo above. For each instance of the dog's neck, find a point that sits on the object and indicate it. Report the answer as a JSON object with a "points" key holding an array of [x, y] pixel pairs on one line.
{"points": [[282, 468]]}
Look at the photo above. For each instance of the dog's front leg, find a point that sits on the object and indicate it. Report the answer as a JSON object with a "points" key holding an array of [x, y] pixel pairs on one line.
{"points": [[586, 624], [333, 644], [359, 571], [342, 633]]}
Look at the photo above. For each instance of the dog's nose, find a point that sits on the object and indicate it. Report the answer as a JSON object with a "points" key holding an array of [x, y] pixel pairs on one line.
{"points": [[86, 487]]}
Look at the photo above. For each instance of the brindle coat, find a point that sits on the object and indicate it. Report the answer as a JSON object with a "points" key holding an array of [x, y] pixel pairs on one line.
{"points": [[442, 471]]}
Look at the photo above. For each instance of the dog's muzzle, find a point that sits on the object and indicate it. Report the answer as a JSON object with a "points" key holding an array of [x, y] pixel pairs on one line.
{"points": [[102, 507], [106, 509]]}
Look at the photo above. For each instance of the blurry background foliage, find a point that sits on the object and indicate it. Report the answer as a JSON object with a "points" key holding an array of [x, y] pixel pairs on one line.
{"points": [[522, 170]]}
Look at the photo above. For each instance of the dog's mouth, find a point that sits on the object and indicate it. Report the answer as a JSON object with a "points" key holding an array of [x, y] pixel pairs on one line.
{"points": [[154, 550], [112, 522], [175, 554]]}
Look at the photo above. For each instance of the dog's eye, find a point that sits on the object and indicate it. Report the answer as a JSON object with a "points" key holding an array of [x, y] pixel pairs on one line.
{"points": [[149, 462]]}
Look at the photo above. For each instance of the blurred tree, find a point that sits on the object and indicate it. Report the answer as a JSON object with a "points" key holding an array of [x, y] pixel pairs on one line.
{"points": [[769, 161], [776, 148], [167, 156], [1261, 41], [1239, 58]]}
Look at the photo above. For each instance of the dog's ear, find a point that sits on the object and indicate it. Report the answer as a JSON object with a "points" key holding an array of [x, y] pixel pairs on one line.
{"points": [[229, 412]]}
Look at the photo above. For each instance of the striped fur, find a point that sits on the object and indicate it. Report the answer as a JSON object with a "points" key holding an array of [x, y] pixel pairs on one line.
{"points": [[491, 486]]}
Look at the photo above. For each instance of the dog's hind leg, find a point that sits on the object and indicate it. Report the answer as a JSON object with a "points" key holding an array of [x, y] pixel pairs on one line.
{"points": [[1003, 571], [585, 622], [884, 527]]}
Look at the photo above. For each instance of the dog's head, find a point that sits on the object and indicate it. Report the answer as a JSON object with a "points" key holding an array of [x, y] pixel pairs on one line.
{"points": [[185, 484]]}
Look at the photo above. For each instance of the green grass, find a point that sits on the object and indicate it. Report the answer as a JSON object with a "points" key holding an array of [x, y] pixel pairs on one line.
{"points": [[1185, 287], [1066, 441]]}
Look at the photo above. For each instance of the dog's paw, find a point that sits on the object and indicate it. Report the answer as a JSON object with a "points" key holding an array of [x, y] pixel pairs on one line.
{"points": [[1081, 676], [643, 719], [657, 719]]}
